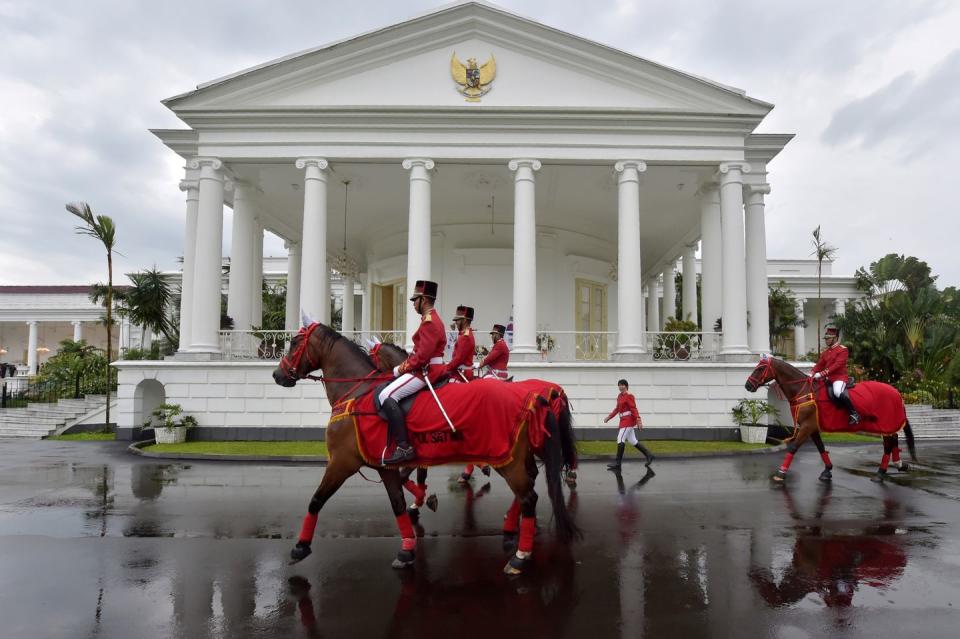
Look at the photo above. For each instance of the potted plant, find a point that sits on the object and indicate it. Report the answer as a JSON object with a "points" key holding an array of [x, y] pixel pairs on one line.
{"points": [[545, 344], [747, 414], [167, 428]]}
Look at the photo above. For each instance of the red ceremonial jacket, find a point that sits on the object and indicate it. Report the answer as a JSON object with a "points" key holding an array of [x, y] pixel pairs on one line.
{"points": [[833, 363], [463, 352], [627, 409], [498, 358], [428, 344]]}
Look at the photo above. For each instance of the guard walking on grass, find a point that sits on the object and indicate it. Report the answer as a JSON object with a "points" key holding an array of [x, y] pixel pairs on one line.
{"points": [[630, 423]]}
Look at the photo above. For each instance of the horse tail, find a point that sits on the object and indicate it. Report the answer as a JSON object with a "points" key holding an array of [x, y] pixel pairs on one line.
{"points": [[568, 441], [553, 460], [911, 444]]}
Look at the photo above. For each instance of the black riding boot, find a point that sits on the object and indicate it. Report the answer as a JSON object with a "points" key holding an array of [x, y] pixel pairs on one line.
{"points": [[398, 433], [845, 400], [616, 464], [646, 453]]}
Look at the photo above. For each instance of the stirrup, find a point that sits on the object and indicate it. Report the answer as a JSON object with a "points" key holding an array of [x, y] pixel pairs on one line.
{"points": [[400, 455], [854, 418]]}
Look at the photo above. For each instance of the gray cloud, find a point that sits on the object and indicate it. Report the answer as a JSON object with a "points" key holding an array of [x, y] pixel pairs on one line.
{"points": [[82, 82]]}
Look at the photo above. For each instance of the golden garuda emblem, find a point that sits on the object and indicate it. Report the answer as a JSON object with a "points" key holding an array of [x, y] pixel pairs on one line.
{"points": [[474, 81]]}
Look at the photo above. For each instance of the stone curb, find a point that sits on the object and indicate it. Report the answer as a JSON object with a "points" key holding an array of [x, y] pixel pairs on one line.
{"points": [[137, 449]]}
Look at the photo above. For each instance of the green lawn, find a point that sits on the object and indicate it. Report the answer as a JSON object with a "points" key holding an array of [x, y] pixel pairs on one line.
{"points": [[251, 448], [848, 437], [243, 448], [85, 437]]}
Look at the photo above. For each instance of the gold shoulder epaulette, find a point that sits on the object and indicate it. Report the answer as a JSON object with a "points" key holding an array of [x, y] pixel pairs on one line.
{"points": [[842, 346], [466, 331], [428, 317]]}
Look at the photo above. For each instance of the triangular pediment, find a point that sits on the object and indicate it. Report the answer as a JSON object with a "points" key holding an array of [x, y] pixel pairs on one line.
{"points": [[408, 65]]}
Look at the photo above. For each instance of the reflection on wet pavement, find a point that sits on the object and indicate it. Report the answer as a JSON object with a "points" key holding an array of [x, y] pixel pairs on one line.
{"points": [[94, 542]]}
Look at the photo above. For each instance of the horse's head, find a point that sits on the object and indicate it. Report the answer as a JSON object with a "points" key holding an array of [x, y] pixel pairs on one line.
{"points": [[302, 358], [762, 374], [386, 356]]}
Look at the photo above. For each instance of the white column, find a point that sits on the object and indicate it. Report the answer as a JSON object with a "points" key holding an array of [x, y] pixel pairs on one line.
{"points": [[347, 313], [418, 233], [314, 274], [242, 257], [669, 292], [689, 309], [77, 330], [192, 188], [524, 258], [734, 278], [32, 347], [205, 337], [365, 303], [711, 266], [799, 345], [292, 321], [839, 307], [256, 282], [653, 307], [123, 341], [630, 312], [756, 265]]}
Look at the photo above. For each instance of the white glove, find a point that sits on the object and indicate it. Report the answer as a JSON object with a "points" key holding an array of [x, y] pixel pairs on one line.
{"points": [[817, 375], [396, 371]]}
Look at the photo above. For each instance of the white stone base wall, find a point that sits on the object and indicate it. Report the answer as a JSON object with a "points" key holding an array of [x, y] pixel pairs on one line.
{"points": [[243, 394]]}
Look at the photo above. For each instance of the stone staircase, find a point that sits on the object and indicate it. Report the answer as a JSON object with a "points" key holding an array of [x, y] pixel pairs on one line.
{"points": [[933, 423], [39, 420]]}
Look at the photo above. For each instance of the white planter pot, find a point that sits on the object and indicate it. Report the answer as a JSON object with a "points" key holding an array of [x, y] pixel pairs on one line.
{"points": [[753, 434], [175, 435]]}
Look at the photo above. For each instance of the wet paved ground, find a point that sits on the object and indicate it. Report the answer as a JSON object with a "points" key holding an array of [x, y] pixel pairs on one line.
{"points": [[97, 543]]}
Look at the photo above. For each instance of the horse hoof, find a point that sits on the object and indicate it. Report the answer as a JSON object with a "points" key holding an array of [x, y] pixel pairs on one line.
{"points": [[779, 477], [405, 559], [904, 467], [432, 502], [515, 566], [826, 475], [414, 514], [485, 470], [300, 552], [880, 477], [510, 541]]}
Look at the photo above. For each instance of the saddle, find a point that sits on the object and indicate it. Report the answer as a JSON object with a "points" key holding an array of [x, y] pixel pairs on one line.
{"points": [[407, 402]]}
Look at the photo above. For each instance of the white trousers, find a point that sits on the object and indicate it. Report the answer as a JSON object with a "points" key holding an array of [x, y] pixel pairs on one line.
{"points": [[838, 387], [403, 386], [627, 435]]}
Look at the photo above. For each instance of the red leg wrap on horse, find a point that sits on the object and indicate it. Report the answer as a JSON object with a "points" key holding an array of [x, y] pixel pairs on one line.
{"points": [[406, 528], [309, 525], [528, 528], [885, 461], [511, 523], [469, 469], [787, 460], [415, 490], [825, 456], [896, 455]]}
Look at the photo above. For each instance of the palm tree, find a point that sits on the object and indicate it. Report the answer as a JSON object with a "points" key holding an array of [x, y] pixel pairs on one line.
{"points": [[148, 301], [101, 228], [822, 251]]}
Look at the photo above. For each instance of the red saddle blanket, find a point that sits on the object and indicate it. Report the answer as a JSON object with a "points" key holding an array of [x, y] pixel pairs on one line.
{"points": [[487, 415], [880, 406]]}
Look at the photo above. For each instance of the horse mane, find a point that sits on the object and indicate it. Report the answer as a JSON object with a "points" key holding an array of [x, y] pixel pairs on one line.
{"points": [[394, 347], [332, 336]]}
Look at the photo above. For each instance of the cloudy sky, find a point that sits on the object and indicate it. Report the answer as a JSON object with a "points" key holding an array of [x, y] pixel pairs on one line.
{"points": [[870, 87]]}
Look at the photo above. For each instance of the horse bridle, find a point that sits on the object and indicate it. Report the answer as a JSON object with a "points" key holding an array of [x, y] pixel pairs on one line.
{"points": [[290, 363], [766, 366]]}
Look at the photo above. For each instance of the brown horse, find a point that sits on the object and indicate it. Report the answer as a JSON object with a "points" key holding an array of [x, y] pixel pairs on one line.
{"points": [[348, 373], [800, 390]]}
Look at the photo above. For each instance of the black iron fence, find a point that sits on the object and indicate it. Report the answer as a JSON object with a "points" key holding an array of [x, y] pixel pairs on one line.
{"points": [[17, 392]]}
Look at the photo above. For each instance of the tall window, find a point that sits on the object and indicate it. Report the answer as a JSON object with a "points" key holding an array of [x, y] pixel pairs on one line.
{"points": [[389, 308], [591, 314]]}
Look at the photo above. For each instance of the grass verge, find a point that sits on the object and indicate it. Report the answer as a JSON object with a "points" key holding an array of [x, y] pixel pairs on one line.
{"points": [[85, 437], [283, 449], [243, 448], [848, 437]]}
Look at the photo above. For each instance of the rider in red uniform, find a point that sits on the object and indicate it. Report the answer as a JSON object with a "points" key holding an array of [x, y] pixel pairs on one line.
{"points": [[832, 365], [460, 366], [498, 358], [426, 361]]}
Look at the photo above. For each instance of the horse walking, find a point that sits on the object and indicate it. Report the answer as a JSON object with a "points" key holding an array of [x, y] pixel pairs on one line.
{"points": [[349, 374], [813, 411]]}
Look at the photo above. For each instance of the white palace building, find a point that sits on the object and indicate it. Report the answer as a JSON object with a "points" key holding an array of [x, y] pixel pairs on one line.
{"points": [[535, 175]]}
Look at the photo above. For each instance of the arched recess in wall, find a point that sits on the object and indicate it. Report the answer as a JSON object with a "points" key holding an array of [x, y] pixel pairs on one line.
{"points": [[147, 396]]}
